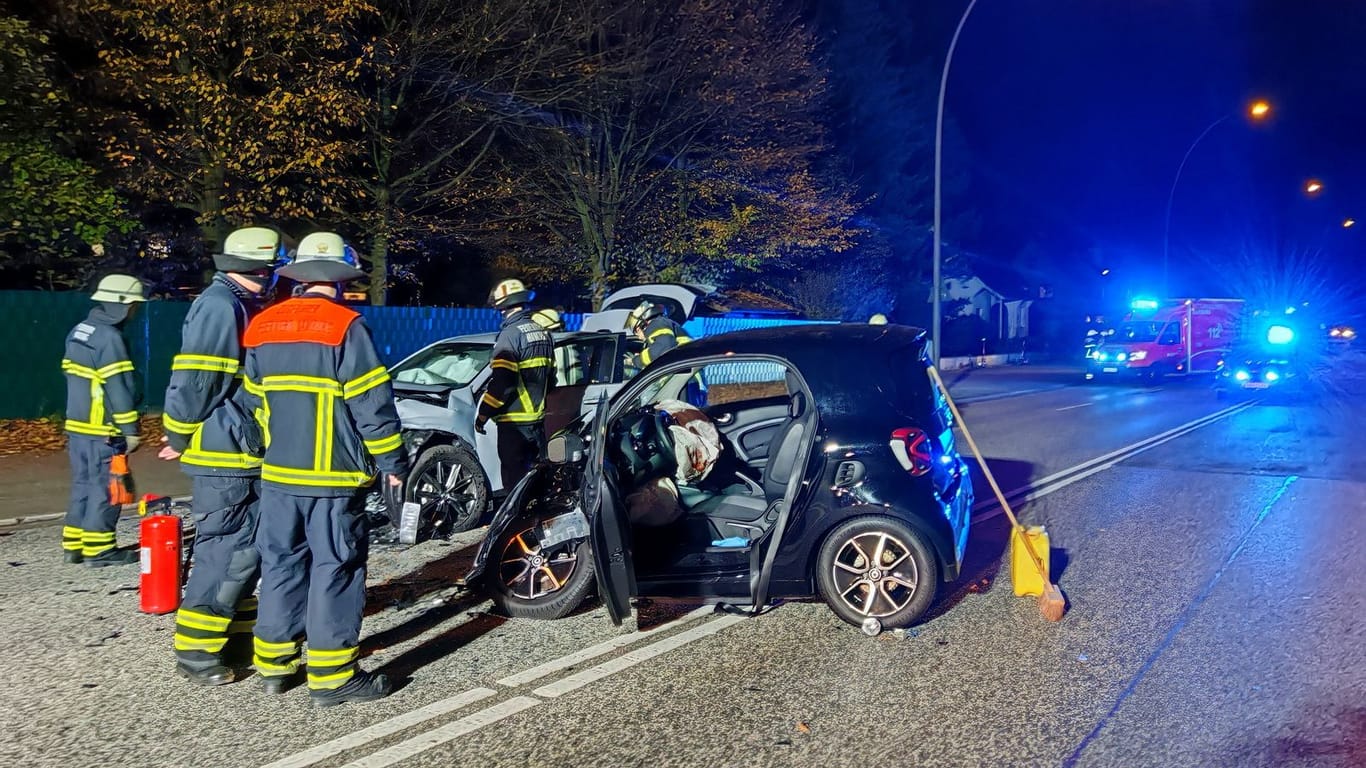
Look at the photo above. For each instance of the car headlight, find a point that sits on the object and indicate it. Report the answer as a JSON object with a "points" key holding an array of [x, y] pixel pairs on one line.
{"points": [[1141, 354], [1242, 376], [1120, 357], [1271, 376], [1101, 356]]}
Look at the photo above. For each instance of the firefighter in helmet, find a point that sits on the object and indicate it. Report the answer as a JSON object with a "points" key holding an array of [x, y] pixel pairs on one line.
{"points": [[878, 319], [523, 372], [219, 445], [101, 420], [648, 323], [327, 407], [548, 319]]}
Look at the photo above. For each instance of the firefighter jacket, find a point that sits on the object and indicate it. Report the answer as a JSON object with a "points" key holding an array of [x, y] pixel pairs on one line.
{"points": [[316, 385], [523, 372], [661, 335], [101, 387], [206, 419]]}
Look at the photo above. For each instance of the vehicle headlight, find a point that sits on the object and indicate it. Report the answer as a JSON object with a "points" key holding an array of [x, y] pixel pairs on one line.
{"points": [[1141, 354], [1101, 356], [1271, 376], [1241, 376], [1121, 357]]}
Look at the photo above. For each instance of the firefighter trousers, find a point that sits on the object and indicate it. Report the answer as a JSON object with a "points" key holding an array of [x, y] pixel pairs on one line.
{"points": [[520, 446], [313, 555], [90, 518], [216, 618]]}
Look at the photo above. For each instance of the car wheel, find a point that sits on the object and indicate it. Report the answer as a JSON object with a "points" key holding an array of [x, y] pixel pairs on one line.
{"points": [[450, 487], [535, 582], [877, 567]]}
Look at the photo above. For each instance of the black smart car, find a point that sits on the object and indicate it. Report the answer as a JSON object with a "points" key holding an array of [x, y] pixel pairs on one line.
{"points": [[837, 477]]}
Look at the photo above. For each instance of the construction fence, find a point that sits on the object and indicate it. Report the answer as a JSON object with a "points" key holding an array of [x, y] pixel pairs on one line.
{"points": [[31, 384]]}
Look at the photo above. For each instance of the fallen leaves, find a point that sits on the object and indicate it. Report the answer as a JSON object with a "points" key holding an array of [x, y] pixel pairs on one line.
{"points": [[41, 436]]}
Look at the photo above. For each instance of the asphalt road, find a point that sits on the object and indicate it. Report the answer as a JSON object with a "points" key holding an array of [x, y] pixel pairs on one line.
{"points": [[1208, 550]]}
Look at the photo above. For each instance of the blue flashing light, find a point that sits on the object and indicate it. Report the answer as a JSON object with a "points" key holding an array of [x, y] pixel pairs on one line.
{"points": [[1121, 357], [1280, 334], [1143, 304], [1242, 376], [1102, 356], [1271, 376]]}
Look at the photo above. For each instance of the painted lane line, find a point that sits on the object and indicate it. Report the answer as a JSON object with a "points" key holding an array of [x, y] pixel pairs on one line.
{"points": [[990, 502], [632, 658], [592, 652], [1078, 405], [1008, 395], [1040, 490], [382, 729], [448, 732]]}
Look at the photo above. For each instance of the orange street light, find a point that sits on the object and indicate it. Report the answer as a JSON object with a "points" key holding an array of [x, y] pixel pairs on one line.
{"points": [[1313, 186], [1259, 109], [1348, 223]]}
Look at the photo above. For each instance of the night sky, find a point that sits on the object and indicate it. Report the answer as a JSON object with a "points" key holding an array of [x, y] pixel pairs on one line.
{"points": [[1078, 112]]}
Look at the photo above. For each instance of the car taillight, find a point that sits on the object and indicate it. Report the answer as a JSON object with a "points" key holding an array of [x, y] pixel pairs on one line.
{"points": [[911, 446]]}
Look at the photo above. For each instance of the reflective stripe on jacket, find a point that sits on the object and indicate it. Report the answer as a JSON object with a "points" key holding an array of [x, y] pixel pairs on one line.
{"points": [[101, 385], [205, 417], [324, 399], [661, 335], [522, 372]]}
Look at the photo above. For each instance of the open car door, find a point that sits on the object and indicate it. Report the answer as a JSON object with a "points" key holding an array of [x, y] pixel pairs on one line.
{"points": [[765, 549], [608, 526]]}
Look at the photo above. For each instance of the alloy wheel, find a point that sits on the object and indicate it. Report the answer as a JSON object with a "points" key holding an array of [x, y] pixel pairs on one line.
{"points": [[530, 571], [445, 493], [875, 574]]}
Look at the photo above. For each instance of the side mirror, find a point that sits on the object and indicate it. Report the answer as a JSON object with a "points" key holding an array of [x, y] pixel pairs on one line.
{"points": [[564, 448]]}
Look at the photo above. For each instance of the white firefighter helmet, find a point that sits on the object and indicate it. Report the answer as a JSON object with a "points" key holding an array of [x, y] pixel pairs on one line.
{"points": [[323, 257], [548, 319], [250, 249], [510, 293], [644, 312], [119, 289], [878, 319]]}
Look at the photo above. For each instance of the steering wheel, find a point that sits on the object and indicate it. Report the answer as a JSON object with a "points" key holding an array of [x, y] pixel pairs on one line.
{"points": [[647, 444]]}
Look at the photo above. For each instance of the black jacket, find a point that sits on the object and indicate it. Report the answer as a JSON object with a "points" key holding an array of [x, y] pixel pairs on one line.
{"points": [[206, 416], [661, 335], [523, 371], [101, 386], [317, 386]]}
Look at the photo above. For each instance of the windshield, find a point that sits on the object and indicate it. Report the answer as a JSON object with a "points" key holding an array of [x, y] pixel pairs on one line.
{"points": [[453, 364], [1138, 331]]}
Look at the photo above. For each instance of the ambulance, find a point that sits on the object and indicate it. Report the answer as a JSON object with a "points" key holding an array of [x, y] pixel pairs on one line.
{"points": [[1162, 337]]}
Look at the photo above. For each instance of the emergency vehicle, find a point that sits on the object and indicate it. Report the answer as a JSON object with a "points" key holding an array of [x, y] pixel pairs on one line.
{"points": [[1168, 336]]}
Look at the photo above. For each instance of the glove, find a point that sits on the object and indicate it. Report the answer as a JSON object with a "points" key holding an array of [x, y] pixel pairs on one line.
{"points": [[395, 481], [479, 422], [132, 441]]}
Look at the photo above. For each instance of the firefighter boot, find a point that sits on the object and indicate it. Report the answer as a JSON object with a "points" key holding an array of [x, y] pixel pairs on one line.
{"points": [[112, 557], [213, 675], [278, 684], [72, 556], [363, 686]]}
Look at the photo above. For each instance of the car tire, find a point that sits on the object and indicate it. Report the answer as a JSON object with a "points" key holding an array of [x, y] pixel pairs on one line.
{"points": [[450, 485], [852, 546], [529, 599]]}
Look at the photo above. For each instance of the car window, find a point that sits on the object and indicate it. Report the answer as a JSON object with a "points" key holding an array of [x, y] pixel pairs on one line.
{"points": [[445, 364], [581, 362], [1138, 331], [732, 382], [1172, 334]]}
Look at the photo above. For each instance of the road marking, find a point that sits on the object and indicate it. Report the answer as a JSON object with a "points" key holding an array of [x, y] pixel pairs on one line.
{"points": [[383, 728], [1060, 480], [620, 641], [448, 732], [1008, 395], [632, 658], [1078, 405]]}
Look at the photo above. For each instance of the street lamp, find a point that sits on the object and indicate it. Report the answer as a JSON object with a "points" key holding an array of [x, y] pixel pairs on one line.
{"points": [[1256, 111], [1348, 223], [1313, 187], [936, 321]]}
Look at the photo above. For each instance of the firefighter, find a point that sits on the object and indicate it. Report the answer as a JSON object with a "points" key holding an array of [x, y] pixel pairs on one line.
{"points": [[648, 323], [316, 383], [219, 446], [522, 374], [548, 319], [101, 420], [878, 319]]}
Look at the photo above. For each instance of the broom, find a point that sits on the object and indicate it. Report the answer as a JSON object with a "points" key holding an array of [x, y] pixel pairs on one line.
{"points": [[1051, 602]]}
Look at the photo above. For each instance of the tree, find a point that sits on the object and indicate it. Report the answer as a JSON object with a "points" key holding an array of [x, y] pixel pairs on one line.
{"points": [[53, 206], [234, 110], [676, 138]]}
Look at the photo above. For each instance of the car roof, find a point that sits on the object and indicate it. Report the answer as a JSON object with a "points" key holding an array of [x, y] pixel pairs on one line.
{"points": [[810, 347]]}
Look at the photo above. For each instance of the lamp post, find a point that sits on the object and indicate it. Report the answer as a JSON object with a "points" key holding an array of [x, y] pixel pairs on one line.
{"points": [[1258, 110], [937, 320]]}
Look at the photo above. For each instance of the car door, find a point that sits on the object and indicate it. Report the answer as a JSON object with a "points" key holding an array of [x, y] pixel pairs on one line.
{"points": [[765, 549], [609, 529]]}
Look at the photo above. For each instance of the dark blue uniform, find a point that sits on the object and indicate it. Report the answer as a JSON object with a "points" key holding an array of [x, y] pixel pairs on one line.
{"points": [[523, 372], [318, 387]]}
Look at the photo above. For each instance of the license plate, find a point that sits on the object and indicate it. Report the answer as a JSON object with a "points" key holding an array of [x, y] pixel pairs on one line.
{"points": [[1110, 369], [1255, 385], [556, 530]]}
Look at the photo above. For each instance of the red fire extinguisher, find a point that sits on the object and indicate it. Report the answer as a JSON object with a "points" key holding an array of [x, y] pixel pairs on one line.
{"points": [[160, 535]]}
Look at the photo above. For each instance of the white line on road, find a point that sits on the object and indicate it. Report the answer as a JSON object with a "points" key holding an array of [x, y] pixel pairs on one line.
{"points": [[1060, 480], [628, 660], [592, 652], [381, 729], [1078, 405], [1008, 395], [448, 732]]}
